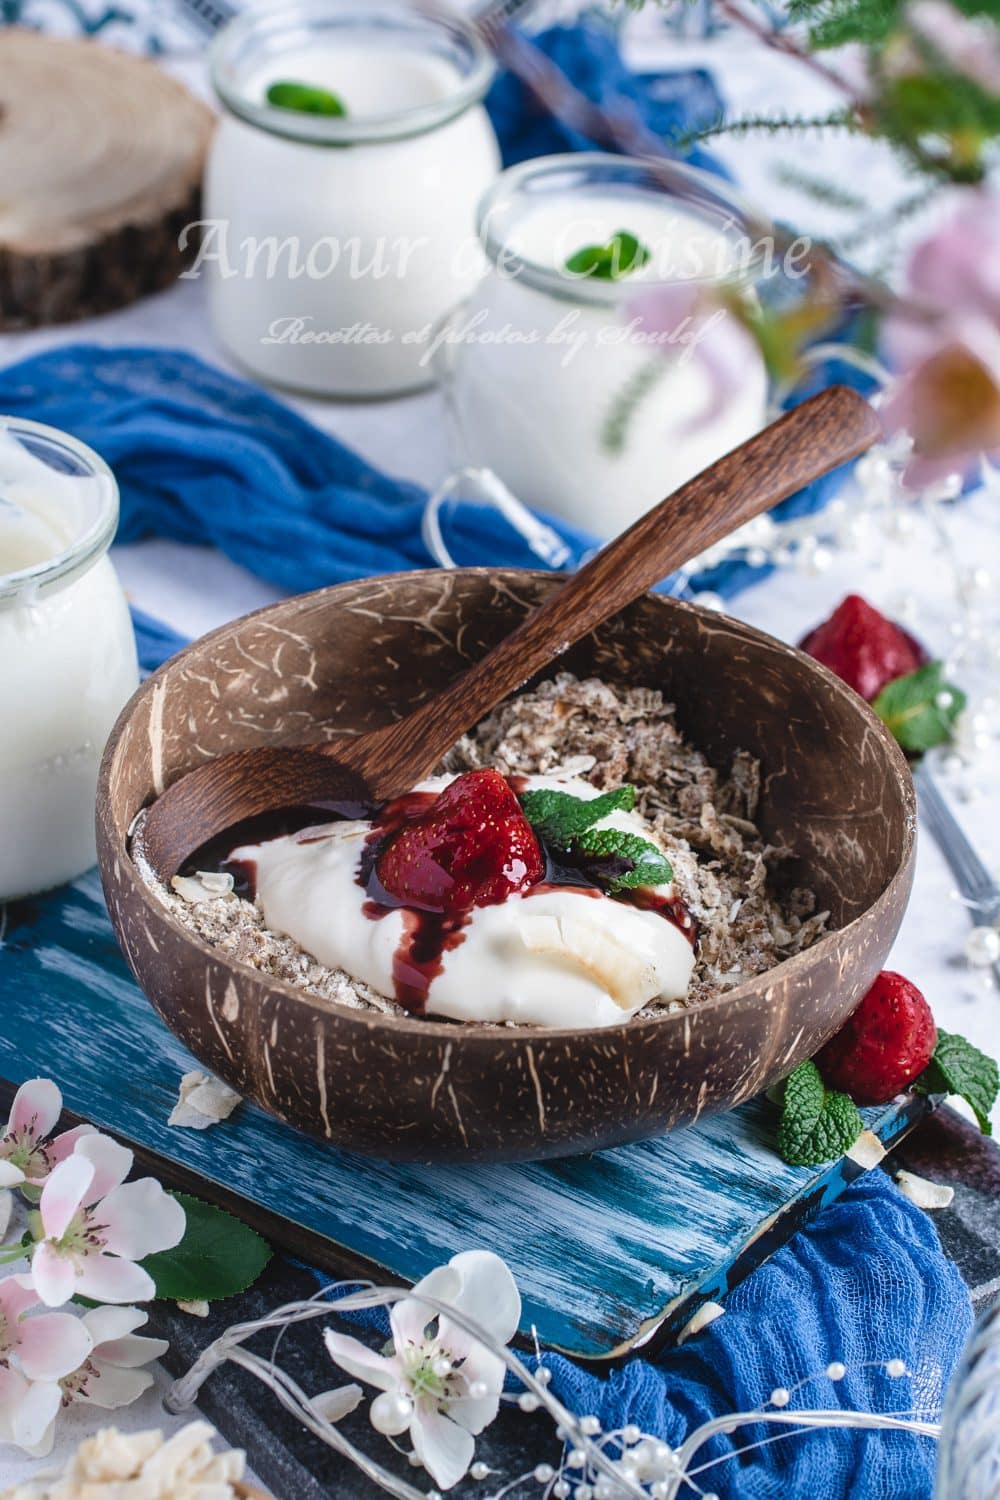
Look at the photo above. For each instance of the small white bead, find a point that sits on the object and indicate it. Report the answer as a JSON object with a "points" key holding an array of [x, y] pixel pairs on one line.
{"points": [[779, 1396], [479, 1470], [895, 1368], [604, 1489], [631, 1434], [441, 1366], [528, 1401], [576, 1458], [659, 1490], [477, 1390], [415, 1460], [433, 1495], [836, 1371], [590, 1425], [982, 947], [543, 1375], [390, 1413], [560, 1490], [583, 1492], [543, 1473]]}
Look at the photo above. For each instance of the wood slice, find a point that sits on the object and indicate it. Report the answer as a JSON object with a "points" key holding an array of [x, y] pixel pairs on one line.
{"points": [[101, 158]]}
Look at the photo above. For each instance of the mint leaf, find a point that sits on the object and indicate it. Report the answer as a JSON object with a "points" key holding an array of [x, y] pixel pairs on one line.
{"points": [[307, 98], [558, 817], [217, 1257], [958, 1067], [623, 254], [817, 1124], [920, 708], [628, 860]]}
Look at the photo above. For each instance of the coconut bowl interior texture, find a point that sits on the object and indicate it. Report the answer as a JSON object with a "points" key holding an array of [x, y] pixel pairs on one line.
{"points": [[836, 791]]}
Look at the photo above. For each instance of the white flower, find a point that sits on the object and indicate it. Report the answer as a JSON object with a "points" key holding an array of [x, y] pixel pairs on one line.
{"points": [[95, 1227], [36, 1351], [440, 1383], [28, 1150]]}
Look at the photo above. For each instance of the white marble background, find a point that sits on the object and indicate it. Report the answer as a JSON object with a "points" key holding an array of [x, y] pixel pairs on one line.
{"points": [[195, 589]]}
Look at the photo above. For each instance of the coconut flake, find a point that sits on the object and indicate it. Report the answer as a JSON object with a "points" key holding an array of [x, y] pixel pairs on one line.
{"points": [[867, 1150], [202, 1101], [706, 1314], [205, 885], [928, 1195], [194, 1309]]}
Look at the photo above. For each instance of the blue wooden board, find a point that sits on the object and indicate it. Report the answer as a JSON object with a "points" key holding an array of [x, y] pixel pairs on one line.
{"points": [[608, 1250]]}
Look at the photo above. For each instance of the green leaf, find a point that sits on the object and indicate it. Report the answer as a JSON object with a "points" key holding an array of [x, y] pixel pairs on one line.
{"points": [[558, 817], [817, 1124], [217, 1257], [623, 254], [307, 98], [629, 859], [920, 708], [958, 1067]]}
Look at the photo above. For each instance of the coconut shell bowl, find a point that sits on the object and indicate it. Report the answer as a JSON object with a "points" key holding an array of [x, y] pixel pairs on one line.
{"points": [[836, 792]]}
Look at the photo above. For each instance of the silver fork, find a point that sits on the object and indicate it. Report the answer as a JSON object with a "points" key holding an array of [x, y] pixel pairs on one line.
{"points": [[977, 887]]}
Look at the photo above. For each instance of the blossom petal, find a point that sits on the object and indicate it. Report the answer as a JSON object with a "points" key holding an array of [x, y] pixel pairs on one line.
{"points": [[37, 1107], [110, 1387], [6, 1209], [17, 1294], [488, 1293], [52, 1345], [139, 1219], [63, 1193], [105, 1278], [475, 1413], [363, 1363], [444, 1448], [63, 1145], [35, 1414], [334, 1405], [112, 1164], [410, 1317], [53, 1275], [107, 1323], [10, 1176]]}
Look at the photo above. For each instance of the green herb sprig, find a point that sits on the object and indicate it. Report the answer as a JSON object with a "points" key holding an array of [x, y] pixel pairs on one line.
{"points": [[306, 98], [623, 254]]}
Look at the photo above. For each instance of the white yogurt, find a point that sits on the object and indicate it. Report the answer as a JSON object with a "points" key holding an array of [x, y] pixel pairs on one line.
{"points": [[551, 957], [67, 652], [539, 365], [338, 243]]}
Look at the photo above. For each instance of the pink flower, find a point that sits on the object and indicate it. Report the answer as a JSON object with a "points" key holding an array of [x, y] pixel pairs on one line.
{"points": [[28, 1151], [110, 1375], [45, 1345], [946, 344], [28, 1411], [440, 1383], [971, 44], [95, 1227]]}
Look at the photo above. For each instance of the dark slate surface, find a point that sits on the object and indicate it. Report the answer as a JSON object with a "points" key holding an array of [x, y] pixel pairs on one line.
{"points": [[296, 1466]]}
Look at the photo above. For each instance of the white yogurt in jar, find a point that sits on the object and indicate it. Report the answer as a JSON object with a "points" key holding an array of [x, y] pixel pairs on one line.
{"points": [[67, 652], [550, 385], [335, 244], [551, 956]]}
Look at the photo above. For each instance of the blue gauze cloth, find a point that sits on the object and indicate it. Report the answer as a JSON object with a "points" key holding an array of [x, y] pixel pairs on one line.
{"points": [[864, 1283]]}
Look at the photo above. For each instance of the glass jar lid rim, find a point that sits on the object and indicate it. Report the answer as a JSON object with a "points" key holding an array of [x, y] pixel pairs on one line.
{"points": [[362, 15], [712, 196], [94, 540]]}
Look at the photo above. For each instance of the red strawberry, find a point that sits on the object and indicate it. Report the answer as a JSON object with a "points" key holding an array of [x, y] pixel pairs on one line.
{"points": [[884, 1045], [472, 847], [863, 647]]}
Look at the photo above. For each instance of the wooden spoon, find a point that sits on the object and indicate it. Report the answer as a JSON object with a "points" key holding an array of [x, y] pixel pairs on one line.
{"points": [[826, 431]]}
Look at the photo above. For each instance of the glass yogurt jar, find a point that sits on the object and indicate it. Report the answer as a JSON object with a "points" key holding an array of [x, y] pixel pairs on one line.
{"points": [[335, 242], [67, 651], [551, 381]]}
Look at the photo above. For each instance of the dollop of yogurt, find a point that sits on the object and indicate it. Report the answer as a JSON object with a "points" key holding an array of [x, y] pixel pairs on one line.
{"points": [[554, 955]]}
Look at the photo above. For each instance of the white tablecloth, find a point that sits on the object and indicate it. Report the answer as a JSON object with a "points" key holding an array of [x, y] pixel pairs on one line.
{"points": [[196, 589]]}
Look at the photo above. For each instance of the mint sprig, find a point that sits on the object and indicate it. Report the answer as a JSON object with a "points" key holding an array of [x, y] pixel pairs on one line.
{"points": [[307, 98], [623, 254], [218, 1256], [629, 860], [559, 817], [817, 1123], [958, 1067], [921, 708]]}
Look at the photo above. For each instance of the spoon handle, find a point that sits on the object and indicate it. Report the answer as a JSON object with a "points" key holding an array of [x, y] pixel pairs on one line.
{"points": [[830, 429]]}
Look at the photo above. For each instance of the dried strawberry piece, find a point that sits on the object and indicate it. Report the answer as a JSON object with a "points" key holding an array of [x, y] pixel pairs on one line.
{"points": [[863, 647], [472, 847], [883, 1046]]}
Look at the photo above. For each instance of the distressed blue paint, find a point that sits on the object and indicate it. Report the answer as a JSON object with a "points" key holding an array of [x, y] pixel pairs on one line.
{"points": [[600, 1245]]}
